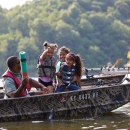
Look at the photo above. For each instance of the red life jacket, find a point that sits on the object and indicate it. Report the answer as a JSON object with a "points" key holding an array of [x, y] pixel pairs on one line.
{"points": [[17, 82]]}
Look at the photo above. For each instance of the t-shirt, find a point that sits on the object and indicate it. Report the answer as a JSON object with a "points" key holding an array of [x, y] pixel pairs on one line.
{"points": [[58, 65]]}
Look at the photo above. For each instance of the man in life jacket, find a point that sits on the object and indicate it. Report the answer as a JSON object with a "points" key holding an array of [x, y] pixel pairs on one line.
{"points": [[13, 83]]}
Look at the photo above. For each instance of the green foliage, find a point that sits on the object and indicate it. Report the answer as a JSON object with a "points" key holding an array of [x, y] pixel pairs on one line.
{"points": [[98, 30], [3, 24], [123, 8], [128, 56]]}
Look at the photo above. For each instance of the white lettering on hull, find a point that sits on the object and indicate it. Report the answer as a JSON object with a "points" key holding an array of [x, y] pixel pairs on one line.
{"points": [[84, 96]]}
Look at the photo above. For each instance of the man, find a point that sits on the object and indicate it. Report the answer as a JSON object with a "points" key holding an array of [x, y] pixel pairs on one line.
{"points": [[13, 83]]}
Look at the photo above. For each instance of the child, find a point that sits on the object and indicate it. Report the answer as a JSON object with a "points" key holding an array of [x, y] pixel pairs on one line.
{"points": [[62, 52], [70, 72], [46, 66]]}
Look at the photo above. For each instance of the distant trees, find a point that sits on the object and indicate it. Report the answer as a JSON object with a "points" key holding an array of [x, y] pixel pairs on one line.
{"points": [[3, 24], [128, 56], [98, 30]]}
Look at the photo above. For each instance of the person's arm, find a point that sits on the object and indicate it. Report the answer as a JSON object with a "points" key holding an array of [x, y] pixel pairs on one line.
{"points": [[78, 80], [40, 92], [18, 91], [58, 75], [36, 84], [60, 70], [44, 54]]}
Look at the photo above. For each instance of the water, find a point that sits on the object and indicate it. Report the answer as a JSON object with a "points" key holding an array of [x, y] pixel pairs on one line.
{"points": [[119, 119]]}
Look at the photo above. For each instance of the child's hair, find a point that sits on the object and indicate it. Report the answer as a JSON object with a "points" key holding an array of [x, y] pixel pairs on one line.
{"points": [[78, 64], [63, 48], [51, 45]]}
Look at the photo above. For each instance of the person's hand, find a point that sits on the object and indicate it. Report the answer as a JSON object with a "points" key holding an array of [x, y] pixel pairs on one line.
{"points": [[24, 82], [48, 49], [57, 74], [45, 90]]}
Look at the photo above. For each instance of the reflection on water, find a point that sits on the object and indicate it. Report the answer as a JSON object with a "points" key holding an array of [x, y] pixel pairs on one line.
{"points": [[116, 120]]}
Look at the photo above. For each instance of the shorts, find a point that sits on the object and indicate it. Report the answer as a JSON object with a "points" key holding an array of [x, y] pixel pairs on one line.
{"points": [[45, 83]]}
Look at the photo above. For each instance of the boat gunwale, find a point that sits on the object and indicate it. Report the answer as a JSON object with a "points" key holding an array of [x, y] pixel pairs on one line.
{"points": [[61, 93]]}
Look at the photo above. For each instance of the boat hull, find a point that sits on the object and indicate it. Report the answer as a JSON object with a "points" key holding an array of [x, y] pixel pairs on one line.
{"points": [[90, 102]]}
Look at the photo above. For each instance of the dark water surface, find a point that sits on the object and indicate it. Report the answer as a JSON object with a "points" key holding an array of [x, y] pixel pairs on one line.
{"points": [[118, 119]]}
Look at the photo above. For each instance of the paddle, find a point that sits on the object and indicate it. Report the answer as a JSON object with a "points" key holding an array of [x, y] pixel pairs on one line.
{"points": [[118, 61]]}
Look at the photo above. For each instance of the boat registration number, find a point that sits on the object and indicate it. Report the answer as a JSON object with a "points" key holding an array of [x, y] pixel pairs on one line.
{"points": [[84, 96]]}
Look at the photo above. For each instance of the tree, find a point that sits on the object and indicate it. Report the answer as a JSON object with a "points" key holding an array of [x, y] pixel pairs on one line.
{"points": [[74, 11], [66, 35], [123, 8], [41, 31], [3, 24], [85, 4], [85, 28], [128, 56]]}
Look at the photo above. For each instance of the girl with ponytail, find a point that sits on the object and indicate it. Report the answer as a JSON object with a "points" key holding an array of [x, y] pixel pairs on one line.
{"points": [[69, 72]]}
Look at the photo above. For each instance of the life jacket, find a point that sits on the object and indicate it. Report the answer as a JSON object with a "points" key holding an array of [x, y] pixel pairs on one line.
{"points": [[67, 75], [17, 82], [47, 67]]}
